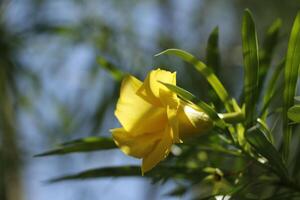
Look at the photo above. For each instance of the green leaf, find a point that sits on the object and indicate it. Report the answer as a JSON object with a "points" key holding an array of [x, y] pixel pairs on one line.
{"points": [[111, 68], [205, 71], [187, 96], [212, 51], [267, 50], [266, 130], [81, 145], [213, 62], [290, 81], [158, 173], [251, 65], [294, 113], [177, 191], [271, 89], [257, 138], [101, 173]]}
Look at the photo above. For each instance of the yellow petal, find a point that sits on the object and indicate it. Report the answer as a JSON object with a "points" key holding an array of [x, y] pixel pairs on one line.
{"points": [[135, 113], [154, 88], [173, 123], [136, 146], [160, 151]]}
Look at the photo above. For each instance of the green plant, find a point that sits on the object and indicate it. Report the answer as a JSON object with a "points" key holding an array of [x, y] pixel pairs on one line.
{"points": [[240, 157]]}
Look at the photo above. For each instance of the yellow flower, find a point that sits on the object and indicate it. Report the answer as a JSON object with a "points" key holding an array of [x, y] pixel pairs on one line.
{"points": [[153, 118]]}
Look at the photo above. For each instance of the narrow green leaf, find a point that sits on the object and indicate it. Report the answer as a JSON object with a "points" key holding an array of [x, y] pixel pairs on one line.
{"points": [[251, 65], [213, 62], [111, 68], [177, 191], [101, 173], [212, 51], [266, 130], [206, 72], [81, 145], [291, 75], [158, 173], [257, 138], [187, 96], [271, 89], [267, 50], [294, 113]]}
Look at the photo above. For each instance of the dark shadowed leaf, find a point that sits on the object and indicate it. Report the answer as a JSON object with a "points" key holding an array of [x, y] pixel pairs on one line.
{"points": [[212, 51], [101, 173], [264, 147], [81, 145], [267, 50], [264, 126], [213, 62], [271, 89], [158, 173], [177, 191]]}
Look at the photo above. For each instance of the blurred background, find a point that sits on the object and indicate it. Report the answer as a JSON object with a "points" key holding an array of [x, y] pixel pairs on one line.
{"points": [[53, 90]]}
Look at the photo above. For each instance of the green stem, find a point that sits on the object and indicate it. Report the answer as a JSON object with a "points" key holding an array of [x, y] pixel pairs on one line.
{"points": [[232, 117]]}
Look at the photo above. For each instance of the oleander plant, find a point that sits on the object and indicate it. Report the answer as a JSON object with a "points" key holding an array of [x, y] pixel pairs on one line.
{"points": [[223, 147]]}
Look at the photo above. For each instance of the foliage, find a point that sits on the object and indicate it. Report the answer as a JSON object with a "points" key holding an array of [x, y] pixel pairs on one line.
{"points": [[240, 157]]}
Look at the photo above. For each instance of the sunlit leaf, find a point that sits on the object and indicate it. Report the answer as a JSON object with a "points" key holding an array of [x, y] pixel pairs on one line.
{"points": [[291, 76], [186, 95], [294, 113], [206, 72], [81, 145], [251, 66]]}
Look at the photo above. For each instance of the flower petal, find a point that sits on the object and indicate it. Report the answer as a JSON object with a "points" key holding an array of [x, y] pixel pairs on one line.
{"points": [[160, 151], [173, 123], [153, 86], [135, 113], [136, 146]]}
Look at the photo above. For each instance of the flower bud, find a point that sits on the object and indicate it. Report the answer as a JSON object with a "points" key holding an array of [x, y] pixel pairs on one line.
{"points": [[192, 120]]}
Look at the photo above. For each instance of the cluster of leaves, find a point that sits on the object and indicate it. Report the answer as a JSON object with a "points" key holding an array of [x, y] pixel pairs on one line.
{"points": [[240, 157]]}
